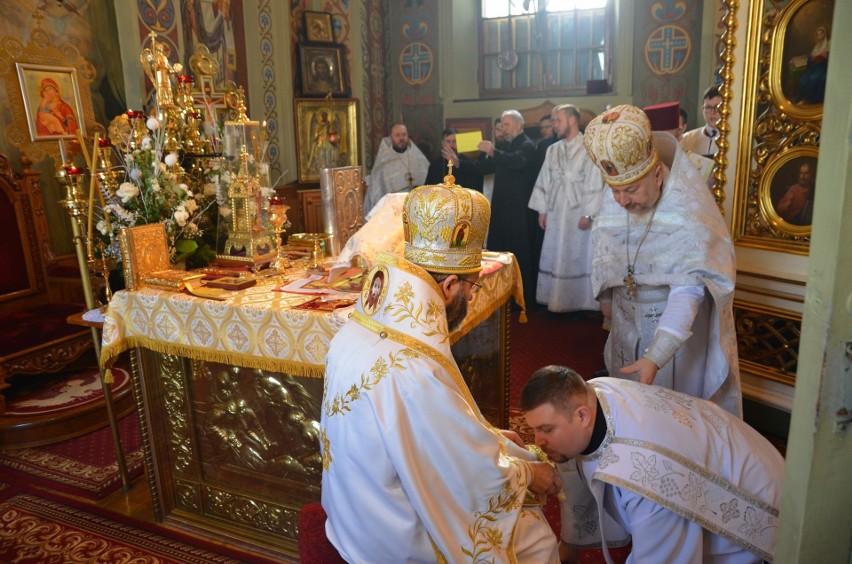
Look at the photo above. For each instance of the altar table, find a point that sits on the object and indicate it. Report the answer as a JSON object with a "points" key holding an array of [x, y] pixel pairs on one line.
{"points": [[229, 396]]}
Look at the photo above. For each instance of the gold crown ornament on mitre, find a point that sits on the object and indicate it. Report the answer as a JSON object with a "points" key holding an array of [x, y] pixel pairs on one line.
{"points": [[619, 142], [445, 226]]}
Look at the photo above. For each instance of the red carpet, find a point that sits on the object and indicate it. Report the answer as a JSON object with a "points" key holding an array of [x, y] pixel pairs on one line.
{"points": [[37, 527], [84, 466], [568, 339]]}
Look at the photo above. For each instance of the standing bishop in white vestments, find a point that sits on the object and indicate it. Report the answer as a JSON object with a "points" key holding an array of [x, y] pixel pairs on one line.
{"points": [[567, 196], [399, 166], [412, 471], [686, 479], [664, 264]]}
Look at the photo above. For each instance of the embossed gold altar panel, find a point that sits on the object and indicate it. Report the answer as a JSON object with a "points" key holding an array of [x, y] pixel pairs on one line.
{"points": [[234, 452]]}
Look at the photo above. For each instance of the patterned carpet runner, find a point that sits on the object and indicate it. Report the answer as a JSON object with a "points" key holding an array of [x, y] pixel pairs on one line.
{"points": [[84, 466], [37, 527]]}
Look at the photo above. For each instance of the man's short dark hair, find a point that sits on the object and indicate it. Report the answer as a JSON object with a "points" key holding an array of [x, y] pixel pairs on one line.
{"points": [[683, 115], [711, 92], [449, 131], [545, 117], [557, 385]]}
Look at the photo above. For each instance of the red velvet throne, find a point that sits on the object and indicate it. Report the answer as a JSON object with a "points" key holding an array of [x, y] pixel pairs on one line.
{"points": [[34, 335]]}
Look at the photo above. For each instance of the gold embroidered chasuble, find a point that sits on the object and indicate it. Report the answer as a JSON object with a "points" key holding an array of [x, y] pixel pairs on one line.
{"points": [[411, 469]]}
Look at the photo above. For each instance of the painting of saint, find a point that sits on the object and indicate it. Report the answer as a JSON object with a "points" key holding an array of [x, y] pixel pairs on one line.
{"points": [[807, 43], [51, 100], [371, 295], [792, 191]]}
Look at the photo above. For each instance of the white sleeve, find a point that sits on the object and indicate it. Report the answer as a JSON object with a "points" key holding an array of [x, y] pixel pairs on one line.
{"points": [[681, 310]]}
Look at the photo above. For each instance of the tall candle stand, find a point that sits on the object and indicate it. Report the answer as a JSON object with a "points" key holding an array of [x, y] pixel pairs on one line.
{"points": [[72, 177]]}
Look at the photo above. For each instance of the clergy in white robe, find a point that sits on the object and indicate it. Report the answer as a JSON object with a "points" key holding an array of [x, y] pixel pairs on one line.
{"points": [[412, 471], [664, 264], [399, 166], [688, 481], [567, 196]]}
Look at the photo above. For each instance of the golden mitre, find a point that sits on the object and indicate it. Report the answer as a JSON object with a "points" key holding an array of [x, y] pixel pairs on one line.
{"points": [[445, 226]]}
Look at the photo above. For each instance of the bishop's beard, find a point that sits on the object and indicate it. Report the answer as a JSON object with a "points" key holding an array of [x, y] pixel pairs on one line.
{"points": [[456, 311]]}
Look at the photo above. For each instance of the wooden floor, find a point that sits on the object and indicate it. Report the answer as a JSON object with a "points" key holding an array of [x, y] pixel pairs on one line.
{"points": [[135, 502]]}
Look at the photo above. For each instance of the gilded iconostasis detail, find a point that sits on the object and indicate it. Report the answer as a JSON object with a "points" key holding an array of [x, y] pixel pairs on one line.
{"points": [[786, 67]]}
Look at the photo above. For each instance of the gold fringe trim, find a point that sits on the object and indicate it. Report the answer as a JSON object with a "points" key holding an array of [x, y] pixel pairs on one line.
{"points": [[211, 355], [108, 377], [519, 291]]}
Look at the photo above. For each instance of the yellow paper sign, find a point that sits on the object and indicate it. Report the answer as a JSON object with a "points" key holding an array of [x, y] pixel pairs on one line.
{"points": [[468, 141]]}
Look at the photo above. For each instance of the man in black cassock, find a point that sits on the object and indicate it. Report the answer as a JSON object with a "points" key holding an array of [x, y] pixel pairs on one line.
{"points": [[513, 224], [466, 170]]}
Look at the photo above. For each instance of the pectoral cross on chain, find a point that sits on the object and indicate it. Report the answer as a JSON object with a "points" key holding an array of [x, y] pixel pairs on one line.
{"points": [[630, 282], [410, 179]]}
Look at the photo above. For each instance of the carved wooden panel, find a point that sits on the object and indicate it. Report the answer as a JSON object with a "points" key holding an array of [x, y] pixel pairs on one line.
{"points": [[768, 341]]}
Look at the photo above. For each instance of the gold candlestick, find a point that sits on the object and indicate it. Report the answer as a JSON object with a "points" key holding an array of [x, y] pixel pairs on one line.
{"points": [[278, 218]]}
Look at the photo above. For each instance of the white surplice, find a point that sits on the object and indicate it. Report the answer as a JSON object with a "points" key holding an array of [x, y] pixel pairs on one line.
{"points": [[687, 245], [394, 172], [568, 187], [412, 472], [689, 481]]}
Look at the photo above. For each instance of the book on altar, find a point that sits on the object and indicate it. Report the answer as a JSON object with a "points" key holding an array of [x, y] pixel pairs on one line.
{"points": [[342, 279], [171, 279]]}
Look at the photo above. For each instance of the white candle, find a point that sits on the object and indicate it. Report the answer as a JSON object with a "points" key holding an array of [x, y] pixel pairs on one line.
{"points": [[62, 151]]}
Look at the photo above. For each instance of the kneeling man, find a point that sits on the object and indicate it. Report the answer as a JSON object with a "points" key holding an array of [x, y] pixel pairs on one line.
{"points": [[689, 481]]}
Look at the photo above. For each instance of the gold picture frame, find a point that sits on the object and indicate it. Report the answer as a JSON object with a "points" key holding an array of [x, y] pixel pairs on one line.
{"points": [[39, 52], [318, 27], [787, 190], [326, 135], [776, 134], [46, 91], [799, 61], [322, 70]]}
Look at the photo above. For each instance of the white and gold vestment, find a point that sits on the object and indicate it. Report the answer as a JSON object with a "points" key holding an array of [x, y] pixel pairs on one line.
{"points": [[412, 472]]}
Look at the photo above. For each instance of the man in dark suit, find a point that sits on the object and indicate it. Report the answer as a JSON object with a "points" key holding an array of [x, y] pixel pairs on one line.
{"points": [[465, 169], [513, 224]]}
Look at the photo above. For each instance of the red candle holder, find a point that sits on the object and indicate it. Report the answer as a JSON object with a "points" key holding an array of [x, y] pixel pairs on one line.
{"points": [[276, 201], [133, 114], [104, 142], [185, 79], [72, 170]]}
